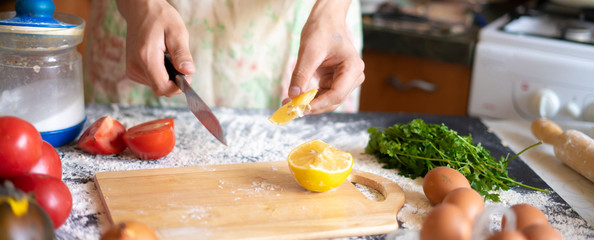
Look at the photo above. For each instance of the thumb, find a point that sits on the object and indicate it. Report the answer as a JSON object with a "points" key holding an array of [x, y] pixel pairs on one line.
{"points": [[178, 48], [304, 70]]}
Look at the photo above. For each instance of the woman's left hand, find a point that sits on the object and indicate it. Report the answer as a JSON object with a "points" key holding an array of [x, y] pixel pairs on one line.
{"points": [[327, 51]]}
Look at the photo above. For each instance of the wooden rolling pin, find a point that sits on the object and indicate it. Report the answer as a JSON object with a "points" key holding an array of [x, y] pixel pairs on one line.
{"points": [[572, 147]]}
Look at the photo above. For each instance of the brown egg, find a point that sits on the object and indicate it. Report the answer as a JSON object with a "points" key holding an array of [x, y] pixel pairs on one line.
{"points": [[526, 215], [439, 181], [507, 235], [467, 199], [446, 222], [129, 230], [541, 232]]}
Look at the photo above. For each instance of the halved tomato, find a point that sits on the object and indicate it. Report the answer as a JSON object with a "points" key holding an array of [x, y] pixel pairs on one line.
{"points": [[103, 137], [49, 163], [151, 140]]}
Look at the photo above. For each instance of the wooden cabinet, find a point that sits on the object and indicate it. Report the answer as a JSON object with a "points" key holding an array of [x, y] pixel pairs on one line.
{"points": [[451, 81]]}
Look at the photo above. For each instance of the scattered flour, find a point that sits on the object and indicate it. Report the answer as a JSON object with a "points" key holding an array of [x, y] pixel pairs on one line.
{"points": [[258, 188], [251, 138], [196, 213]]}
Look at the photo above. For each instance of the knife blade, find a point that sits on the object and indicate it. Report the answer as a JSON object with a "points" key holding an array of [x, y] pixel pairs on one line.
{"points": [[196, 105]]}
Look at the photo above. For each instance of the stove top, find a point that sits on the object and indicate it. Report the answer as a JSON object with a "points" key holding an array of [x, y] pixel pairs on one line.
{"points": [[585, 12], [554, 21]]}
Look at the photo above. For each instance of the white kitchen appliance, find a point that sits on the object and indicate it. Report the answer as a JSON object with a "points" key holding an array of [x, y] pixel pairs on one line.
{"points": [[536, 64]]}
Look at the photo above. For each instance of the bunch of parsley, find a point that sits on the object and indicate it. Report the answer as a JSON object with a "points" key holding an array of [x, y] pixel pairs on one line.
{"points": [[417, 147]]}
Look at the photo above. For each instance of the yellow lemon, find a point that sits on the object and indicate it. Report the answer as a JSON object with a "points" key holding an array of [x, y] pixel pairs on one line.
{"points": [[319, 167], [294, 108]]}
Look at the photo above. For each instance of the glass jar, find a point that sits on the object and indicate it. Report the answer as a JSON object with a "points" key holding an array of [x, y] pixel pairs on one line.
{"points": [[41, 70]]}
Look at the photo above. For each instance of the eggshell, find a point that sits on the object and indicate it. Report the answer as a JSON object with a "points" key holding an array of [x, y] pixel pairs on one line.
{"points": [[526, 215], [468, 200], [446, 222], [541, 232], [439, 181], [507, 235]]}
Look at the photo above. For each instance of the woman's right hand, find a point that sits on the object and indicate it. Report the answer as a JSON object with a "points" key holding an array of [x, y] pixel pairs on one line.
{"points": [[153, 28]]}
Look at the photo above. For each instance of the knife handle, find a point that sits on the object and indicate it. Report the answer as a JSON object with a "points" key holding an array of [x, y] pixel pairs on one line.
{"points": [[171, 71]]}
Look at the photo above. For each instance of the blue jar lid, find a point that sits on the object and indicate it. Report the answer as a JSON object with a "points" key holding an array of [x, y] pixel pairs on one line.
{"points": [[35, 13], [35, 27]]}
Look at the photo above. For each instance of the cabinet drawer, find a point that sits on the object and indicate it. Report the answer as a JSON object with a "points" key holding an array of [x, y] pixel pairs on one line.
{"points": [[378, 94]]}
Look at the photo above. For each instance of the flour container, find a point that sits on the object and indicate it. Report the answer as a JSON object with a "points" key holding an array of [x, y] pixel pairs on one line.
{"points": [[41, 71]]}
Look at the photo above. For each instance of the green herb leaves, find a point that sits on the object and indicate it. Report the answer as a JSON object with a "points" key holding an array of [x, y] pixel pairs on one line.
{"points": [[417, 147]]}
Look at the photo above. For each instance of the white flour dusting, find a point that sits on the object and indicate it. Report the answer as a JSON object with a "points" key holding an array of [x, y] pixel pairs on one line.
{"points": [[258, 188], [252, 138], [196, 213], [261, 186]]}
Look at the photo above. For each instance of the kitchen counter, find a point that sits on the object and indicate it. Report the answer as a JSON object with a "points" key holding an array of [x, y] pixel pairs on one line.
{"points": [[252, 138]]}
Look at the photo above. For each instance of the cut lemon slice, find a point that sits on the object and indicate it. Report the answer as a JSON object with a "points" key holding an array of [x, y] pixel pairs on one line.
{"points": [[319, 167], [293, 109]]}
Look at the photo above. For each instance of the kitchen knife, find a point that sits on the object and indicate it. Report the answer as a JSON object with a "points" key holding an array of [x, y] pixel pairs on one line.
{"points": [[195, 103]]}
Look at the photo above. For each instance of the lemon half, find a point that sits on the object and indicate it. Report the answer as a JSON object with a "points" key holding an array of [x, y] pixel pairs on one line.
{"points": [[319, 167], [294, 108]]}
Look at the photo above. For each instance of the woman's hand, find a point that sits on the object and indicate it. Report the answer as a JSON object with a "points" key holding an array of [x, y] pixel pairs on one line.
{"points": [[326, 50], [153, 28]]}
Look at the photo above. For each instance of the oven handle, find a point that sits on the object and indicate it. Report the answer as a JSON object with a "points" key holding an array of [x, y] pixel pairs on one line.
{"points": [[415, 83]]}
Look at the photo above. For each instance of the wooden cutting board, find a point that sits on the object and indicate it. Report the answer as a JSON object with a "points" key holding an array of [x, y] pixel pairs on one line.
{"points": [[246, 201]]}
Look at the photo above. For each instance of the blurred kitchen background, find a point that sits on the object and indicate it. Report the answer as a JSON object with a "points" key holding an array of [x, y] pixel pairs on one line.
{"points": [[516, 59], [435, 57]]}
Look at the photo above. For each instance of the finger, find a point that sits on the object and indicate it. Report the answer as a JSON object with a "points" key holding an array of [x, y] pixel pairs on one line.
{"points": [[347, 77], [307, 63], [327, 101], [157, 74], [177, 43], [285, 101], [136, 73], [322, 106]]}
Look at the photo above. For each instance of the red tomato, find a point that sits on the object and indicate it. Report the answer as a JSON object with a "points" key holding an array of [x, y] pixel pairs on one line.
{"points": [[20, 146], [103, 137], [151, 140], [49, 163], [50, 193]]}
